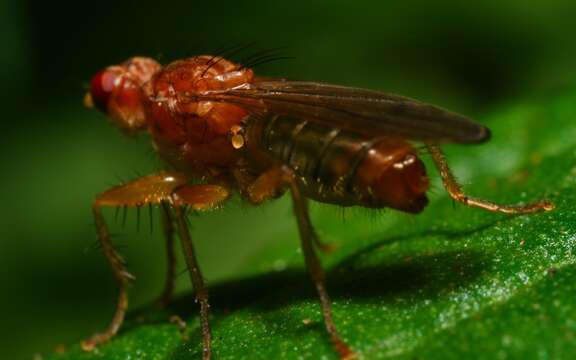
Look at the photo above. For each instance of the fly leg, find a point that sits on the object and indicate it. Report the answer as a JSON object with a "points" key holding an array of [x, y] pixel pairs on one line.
{"points": [[196, 278], [122, 278], [271, 184], [457, 194], [168, 189], [307, 236], [326, 248], [196, 197]]}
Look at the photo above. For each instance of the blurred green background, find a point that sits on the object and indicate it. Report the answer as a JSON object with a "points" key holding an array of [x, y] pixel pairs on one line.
{"points": [[56, 288]]}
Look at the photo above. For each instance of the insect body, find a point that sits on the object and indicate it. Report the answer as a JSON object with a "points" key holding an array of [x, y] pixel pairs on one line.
{"points": [[344, 168], [215, 121]]}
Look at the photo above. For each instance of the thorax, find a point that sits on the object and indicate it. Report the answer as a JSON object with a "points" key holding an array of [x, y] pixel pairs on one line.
{"points": [[195, 136]]}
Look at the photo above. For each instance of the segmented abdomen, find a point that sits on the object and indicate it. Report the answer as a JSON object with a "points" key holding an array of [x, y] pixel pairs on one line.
{"points": [[345, 168]]}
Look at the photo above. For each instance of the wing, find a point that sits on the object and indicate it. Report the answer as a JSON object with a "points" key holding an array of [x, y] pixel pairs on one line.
{"points": [[360, 111]]}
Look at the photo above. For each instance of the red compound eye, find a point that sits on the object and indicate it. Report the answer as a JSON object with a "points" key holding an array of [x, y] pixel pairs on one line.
{"points": [[101, 87]]}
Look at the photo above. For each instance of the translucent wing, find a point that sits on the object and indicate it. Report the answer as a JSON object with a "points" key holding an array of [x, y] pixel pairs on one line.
{"points": [[361, 111]]}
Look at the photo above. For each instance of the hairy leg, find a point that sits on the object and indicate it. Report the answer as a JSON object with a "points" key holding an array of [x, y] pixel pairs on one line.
{"points": [[307, 236], [168, 189], [122, 276], [196, 278], [271, 184], [458, 194]]}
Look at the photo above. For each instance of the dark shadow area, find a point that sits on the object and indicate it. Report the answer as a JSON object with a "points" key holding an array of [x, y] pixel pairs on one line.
{"points": [[447, 234], [350, 278], [411, 280], [428, 274]]}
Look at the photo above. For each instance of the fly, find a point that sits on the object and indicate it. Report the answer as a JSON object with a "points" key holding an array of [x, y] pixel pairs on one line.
{"points": [[216, 121]]}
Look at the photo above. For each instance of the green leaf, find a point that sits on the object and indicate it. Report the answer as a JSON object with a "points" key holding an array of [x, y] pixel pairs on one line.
{"points": [[453, 282]]}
